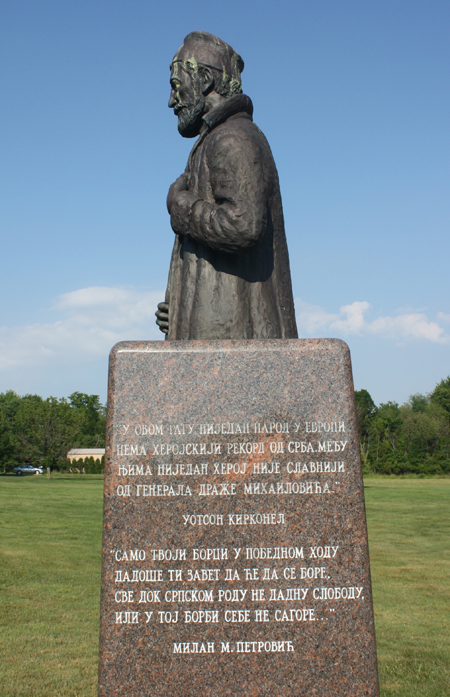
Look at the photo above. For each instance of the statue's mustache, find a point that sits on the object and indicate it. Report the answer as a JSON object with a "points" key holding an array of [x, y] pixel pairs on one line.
{"points": [[180, 106]]}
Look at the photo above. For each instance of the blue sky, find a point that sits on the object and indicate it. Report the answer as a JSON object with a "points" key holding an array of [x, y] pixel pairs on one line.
{"points": [[353, 97]]}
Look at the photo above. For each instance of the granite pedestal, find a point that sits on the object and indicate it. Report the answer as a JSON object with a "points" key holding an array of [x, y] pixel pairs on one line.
{"points": [[235, 555]]}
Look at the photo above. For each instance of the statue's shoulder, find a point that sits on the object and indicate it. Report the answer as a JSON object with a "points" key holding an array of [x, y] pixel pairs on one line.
{"points": [[238, 131]]}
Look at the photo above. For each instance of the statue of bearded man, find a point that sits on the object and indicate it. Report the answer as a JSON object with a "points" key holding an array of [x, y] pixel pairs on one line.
{"points": [[229, 274]]}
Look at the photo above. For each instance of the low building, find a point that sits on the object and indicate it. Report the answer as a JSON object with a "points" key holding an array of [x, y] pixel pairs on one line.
{"points": [[83, 453]]}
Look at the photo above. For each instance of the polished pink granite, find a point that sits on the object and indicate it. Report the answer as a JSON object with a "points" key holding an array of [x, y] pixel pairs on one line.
{"points": [[216, 448]]}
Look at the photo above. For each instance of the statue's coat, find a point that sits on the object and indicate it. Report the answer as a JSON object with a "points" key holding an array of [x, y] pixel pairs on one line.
{"points": [[229, 275]]}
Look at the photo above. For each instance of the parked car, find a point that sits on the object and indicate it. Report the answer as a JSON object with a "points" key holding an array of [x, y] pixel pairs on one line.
{"points": [[28, 469]]}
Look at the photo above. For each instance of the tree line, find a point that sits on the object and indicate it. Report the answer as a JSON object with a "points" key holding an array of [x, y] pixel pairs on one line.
{"points": [[42, 431], [411, 438]]}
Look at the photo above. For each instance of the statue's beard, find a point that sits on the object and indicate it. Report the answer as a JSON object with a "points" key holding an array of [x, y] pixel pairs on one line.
{"points": [[190, 118]]}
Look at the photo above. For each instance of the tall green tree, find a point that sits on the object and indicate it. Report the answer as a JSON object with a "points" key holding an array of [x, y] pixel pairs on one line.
{"points": [[385, 430], [412, 438], [9, 455], [365, 411], [45, 429], [441, 395], [92, 414]]}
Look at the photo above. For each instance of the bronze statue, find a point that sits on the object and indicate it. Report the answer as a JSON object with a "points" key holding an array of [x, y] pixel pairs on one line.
{"points": [[229, 274]]}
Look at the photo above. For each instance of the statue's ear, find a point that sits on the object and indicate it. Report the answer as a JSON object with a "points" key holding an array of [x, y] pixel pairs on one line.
{"points": [[207, 79]]}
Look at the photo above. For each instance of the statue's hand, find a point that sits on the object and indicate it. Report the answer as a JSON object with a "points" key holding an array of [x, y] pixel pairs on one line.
{"points": [[180, 184], [180, 202], [162, 315]]}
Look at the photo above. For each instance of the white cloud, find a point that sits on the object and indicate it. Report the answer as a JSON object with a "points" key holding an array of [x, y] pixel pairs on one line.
{"points": [[93, 320], [351, 319]]}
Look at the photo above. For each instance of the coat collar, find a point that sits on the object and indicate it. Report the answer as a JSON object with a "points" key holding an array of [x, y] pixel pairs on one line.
{"points": [[238, 104], [230, 107]]}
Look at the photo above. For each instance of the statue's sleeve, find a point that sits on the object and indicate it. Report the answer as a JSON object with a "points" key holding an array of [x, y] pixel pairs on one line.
{"points": [[236, 220]]}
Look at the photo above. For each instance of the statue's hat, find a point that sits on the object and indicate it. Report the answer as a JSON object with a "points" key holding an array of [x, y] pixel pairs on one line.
{"points": [[201, 48]]}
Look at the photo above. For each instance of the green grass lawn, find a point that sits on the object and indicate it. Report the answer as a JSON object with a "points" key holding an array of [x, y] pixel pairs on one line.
{"points": [[409, 542], [50, 584]]}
